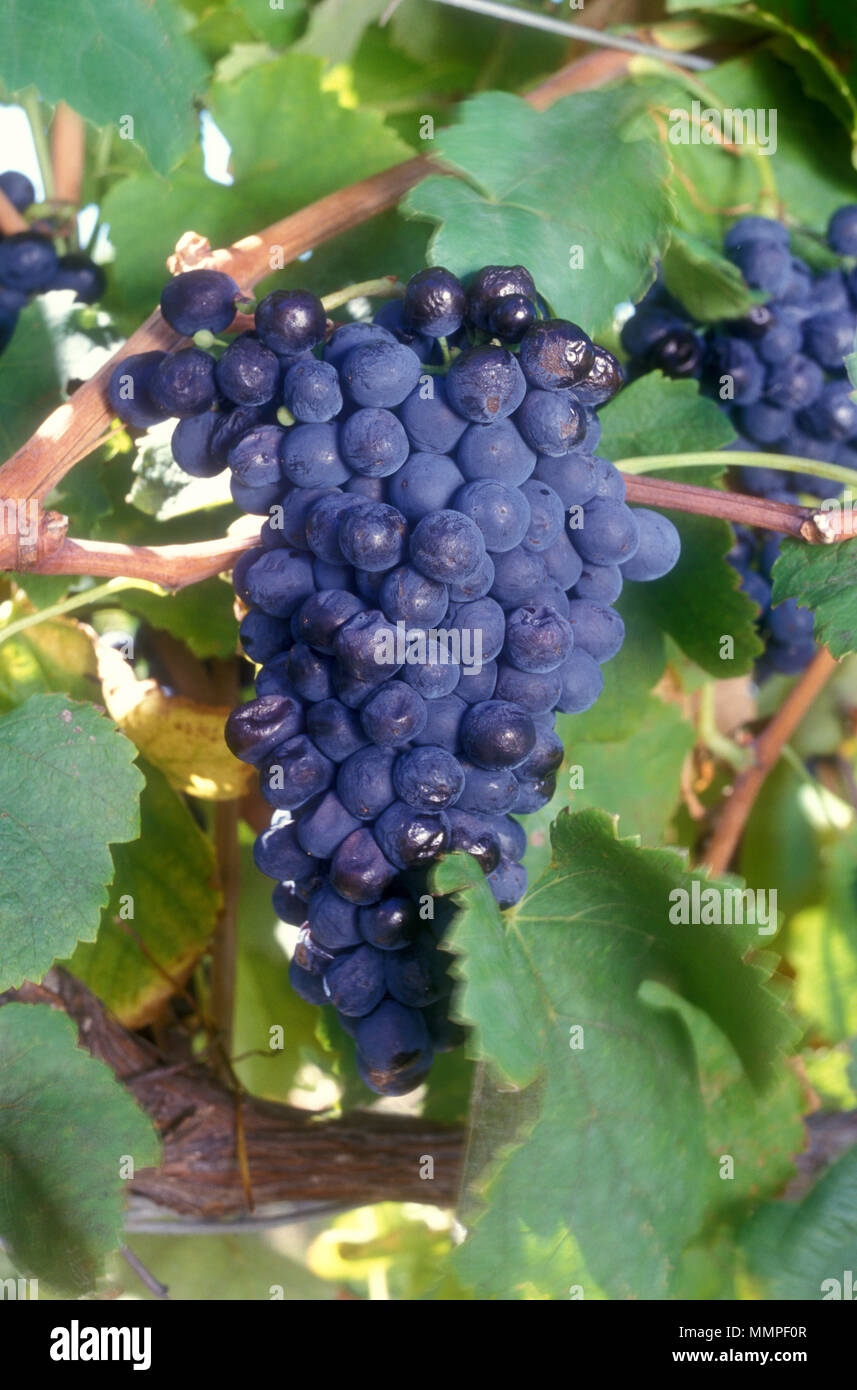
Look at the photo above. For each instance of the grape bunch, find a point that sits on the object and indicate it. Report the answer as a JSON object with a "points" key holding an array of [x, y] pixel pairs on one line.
{"points": [[785, 359], [30, 263], [434, 580]]}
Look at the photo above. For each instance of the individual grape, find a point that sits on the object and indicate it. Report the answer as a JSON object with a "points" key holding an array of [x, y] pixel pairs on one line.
{"points": [[332, 921], [306, 985], [574, 478], [601, 583], [364, 782], [310, 673], [549, 594], [373, 536], [18, 189], [408, 838], [415, 975], [678, 354], [828, 337], [191, 445], [443, 721], [754, 228], [765, 424], [830, 291], [489, 792], [496, 452], [78, 272], [355, 983], [485, 384], [765, 264], [426, 483], [256, 728], [551, 422], [254, 460], [409, 597], [533, 793], [645, 329], [434, 303], [391, 316], [841, 230], [535, 691], [335, 729], [373, 442], [537, 639], [231, 425], [610, 481], [128, 389], [248, 372], [493, 283], [658, 550], [199, 300], [322, 615], [446, 546], [290, 321], [732, 362], [365, 646], [547, 516], [546, 757], [380, 373], [473, 834], [789, 624], [794, 384], [311, 456], [605, 377], [279, 581], [516, 574], [289, 906], [610, 533], [510, 317], [277, 854], [833, 414], [556, 353], [28, 262], [429, 420], [348, 336], [241, 569], [359, 870], [597, 630], [790, 660], [432, 674], [475, 585], [393, 715], [293, 772], [390, 924], [508, 883], [482, 625], [477, 681], [501, 513], [323, 827], [428, 778], [262, 636], [322, 526], [782, 339], [311, 391], [496, 734], [512, 836], [391, 1040]]}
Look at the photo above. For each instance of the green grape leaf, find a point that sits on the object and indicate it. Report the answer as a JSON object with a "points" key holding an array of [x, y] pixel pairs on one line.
{"points": [[822, 947], [292, 142], [823, 578], [711, 183], [336, 28], [54, 655], [698, 603], [29, 381], [709, 286], [515, 203], [163, 490], [161, 912], [127, 59], [67, 1126], [656, 749], [68, 790], [780, 844], [201, 615], [655, 415], [805, 1250], [622, 1112]]}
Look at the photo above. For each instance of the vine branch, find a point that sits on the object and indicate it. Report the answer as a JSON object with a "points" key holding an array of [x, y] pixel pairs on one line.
{"points": [[737, 807]]}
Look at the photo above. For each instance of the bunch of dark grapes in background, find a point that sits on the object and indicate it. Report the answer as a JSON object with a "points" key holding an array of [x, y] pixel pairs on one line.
{"points": [[440, 555], [791, 393], [31, 264]]}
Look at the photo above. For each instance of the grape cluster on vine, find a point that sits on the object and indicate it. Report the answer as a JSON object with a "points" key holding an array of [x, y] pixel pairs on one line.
{"points": [[31, 264], [788, 389], [435, 579]]}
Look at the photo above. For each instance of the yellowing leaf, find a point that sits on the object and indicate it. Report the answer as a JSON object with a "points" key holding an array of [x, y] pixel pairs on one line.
{"points": [[180, 736]]}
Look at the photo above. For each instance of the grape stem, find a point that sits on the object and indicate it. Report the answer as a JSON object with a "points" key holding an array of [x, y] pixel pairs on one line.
{"points": [[787, 463], [767, 749], [387, 287], [81, 600]]}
